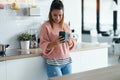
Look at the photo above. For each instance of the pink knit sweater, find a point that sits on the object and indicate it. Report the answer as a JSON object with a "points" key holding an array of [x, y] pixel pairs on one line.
{"points": [[47, 35]]}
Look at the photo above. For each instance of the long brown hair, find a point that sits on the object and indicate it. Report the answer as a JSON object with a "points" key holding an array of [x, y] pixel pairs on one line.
{"points": [[56, 4]]}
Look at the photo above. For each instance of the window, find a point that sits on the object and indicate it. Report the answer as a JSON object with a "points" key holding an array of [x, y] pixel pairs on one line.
{"points": [[100, 16], [89, 14], [106, 15]]}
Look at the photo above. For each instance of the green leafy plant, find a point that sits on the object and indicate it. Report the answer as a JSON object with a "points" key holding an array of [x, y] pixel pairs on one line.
{"points": [[24, 36]]}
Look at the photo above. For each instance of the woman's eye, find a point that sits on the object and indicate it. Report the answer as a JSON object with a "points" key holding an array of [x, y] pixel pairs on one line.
{"points": [[54, 15], [60, 15]]}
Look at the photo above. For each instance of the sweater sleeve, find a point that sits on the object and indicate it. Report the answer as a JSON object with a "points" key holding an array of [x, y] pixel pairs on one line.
{"points": [[72, 45], [44, 40]]}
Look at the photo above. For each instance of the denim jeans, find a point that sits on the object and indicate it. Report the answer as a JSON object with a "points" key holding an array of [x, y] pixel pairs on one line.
{"points": [[58, 70]]}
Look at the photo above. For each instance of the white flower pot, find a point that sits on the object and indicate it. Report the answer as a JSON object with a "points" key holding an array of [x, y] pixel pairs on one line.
{"points": [[25, 44]]}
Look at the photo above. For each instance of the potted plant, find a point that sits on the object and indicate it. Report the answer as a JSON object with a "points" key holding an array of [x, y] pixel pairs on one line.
{"points": [[24, 39]]}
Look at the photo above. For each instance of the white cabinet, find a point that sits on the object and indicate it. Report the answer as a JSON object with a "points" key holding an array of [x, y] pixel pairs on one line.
{"points": [[89, 59], [3, 70], [26, 69]]}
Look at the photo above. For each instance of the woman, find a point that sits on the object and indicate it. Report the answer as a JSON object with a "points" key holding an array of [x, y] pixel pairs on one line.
{"points": [[55, 48]]}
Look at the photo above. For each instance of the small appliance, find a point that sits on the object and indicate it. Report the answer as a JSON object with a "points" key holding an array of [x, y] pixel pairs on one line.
{"points": [[3, 49]]}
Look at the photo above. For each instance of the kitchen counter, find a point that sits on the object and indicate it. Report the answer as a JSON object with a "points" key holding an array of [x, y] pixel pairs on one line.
{"points": [[89, 46], [106, 73], [19, 53], [85, 56]]}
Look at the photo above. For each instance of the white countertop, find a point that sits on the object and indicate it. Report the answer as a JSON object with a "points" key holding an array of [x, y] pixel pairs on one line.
{"points": [[106, 73], [89, 46]]}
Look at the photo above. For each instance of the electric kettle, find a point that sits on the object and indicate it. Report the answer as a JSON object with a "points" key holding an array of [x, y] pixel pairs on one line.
{"points": [[3, 49]]}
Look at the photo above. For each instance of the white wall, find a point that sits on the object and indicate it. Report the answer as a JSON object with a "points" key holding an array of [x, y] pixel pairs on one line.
{"points": [[73, 14], [13, 22]]}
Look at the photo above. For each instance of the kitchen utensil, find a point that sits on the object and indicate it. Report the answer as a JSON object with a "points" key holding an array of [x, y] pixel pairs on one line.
{"points": [[33, 43], [3, 49]]}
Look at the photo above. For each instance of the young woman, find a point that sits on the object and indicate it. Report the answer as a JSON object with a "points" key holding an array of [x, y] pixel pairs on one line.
{"points": [[55, 48]]}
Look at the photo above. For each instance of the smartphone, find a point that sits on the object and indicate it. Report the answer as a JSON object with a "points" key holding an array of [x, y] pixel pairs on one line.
{"points": [[64, 34]]}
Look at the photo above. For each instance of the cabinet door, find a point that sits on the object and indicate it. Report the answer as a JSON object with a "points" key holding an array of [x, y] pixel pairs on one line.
{"points": [[3, 70], [26, 69], [89, 59]]}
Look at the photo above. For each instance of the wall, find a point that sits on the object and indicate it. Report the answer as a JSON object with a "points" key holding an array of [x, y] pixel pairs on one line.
{"points": [[73, 14], [13, 22]]}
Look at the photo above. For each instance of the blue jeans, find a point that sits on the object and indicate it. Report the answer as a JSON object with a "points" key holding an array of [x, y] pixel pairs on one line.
{"points": [[58, 70]]}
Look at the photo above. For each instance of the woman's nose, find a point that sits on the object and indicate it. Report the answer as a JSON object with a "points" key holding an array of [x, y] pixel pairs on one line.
{"points": [[57, 17]]}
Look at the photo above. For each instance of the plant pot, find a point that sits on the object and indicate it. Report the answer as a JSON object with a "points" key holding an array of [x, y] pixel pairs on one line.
{"points": [[25, 44]]}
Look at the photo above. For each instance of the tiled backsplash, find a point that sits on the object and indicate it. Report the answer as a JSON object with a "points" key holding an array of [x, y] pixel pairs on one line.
{"points": [[13, 22]]}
